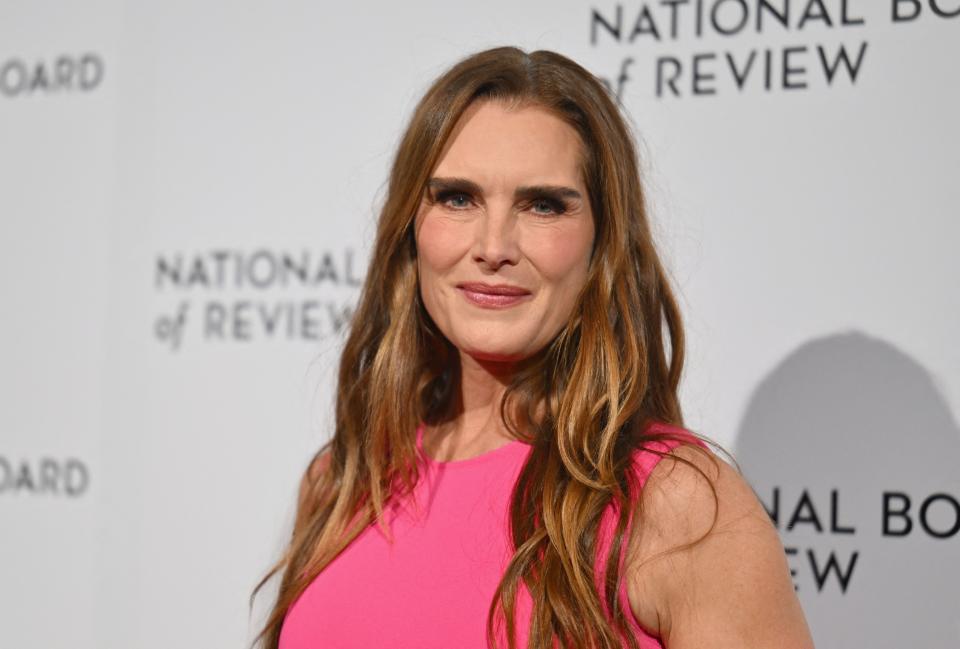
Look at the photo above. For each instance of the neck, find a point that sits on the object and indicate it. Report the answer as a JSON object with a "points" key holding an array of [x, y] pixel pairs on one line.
{"points": [[476, 423]]}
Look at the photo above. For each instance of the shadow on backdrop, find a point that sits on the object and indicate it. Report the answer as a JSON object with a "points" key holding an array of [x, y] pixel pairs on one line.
{"points": [[856, 456]]}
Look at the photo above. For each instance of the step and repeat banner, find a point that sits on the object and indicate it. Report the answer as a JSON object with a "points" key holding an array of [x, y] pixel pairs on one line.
{"points": [[188, 193]]}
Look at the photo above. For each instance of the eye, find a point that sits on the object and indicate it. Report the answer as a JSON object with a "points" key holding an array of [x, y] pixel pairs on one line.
{"points": [[453, 199], [547, 207]]}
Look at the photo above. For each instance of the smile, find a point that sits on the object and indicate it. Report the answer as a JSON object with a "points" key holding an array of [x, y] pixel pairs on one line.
{"points": [[493, 296]]}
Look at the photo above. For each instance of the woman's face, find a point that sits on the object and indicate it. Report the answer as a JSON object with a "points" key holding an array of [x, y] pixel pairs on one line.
{"points": [[505, 231]]}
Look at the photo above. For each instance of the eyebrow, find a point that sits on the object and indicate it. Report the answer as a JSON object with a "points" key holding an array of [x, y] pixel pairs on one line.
{"points": [[525, 192]]}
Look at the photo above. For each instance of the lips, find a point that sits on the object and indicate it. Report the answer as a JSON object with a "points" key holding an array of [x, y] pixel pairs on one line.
{"points": [[493, 296]]}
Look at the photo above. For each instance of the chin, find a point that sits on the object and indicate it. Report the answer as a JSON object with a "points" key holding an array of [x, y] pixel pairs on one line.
{"points": [[496, 356], [490, 351], [500, 343]]}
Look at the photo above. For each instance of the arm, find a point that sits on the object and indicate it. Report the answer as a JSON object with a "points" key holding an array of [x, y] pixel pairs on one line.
{"points": [[730, 590]]}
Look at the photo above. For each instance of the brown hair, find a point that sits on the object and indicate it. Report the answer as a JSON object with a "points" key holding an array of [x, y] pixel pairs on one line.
{"points": [[584, 402]]}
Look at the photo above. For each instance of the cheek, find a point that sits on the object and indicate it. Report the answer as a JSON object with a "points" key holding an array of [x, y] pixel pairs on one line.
{"points": [[440, 245], [562, 255]]}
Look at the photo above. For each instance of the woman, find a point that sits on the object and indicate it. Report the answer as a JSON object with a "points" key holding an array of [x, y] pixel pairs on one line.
{"points": [[506, 404]]}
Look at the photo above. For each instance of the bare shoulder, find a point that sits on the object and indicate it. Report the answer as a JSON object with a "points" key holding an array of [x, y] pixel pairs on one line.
{"points": [[705, 565], [315, 469]]}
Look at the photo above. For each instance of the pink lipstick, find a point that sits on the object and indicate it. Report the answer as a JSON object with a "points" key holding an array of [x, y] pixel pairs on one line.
{"points": [[493, 296]]}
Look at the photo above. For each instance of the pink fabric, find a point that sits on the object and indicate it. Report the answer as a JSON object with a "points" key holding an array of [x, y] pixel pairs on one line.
{"points": [[433, 586]]}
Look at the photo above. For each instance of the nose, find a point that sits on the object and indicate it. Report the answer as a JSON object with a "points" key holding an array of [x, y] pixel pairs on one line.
{"points": [[495, 239]]}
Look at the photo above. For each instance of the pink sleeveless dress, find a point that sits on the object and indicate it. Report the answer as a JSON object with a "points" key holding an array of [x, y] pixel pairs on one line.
{"points": [[432, 587]]}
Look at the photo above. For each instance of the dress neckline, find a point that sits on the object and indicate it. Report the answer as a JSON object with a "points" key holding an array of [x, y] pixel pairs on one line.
{"points": [[504, 449]]}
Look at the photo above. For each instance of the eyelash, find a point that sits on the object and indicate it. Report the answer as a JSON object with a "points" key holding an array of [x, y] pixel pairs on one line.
{"points": [[558, 207]]}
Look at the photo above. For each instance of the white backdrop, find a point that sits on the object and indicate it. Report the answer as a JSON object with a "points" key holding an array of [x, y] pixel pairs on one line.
{"points": [[188, 191]]}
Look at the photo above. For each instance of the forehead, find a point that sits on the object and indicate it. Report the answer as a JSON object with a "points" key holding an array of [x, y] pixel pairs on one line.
{"points": [[494, 142]]}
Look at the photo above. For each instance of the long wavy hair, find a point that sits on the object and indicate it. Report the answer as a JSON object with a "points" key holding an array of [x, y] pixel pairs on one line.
{"points": [[585, 402]]}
